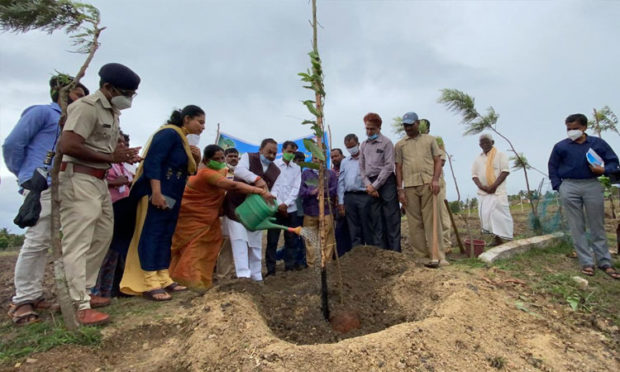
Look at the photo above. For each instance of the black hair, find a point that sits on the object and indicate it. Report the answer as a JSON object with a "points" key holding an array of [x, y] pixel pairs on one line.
{"points": [[580, 118], [351, 136], [126, 136], [267, 141], [177, 116], [337, 149], [209, 151], [299, 156], [231, 150], [289, 143], [57, 82]]}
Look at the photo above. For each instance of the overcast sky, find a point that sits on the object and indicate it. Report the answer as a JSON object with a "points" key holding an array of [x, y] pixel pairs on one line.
{"points": [[535, 62]]}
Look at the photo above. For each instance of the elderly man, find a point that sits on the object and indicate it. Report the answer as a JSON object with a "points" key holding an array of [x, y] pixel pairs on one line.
{"points": [[25, 149], [489, 173], [89, 145], [256, 169], [377, 172], [574, 176], [418, 169]]}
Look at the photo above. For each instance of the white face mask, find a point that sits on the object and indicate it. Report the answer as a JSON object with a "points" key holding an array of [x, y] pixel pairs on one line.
{"points": [[354, 150], [193, 139], [574, 134], [121, 102]]}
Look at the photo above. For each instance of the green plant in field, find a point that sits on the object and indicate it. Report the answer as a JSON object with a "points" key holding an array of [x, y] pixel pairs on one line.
{"points": [[37, 337]]}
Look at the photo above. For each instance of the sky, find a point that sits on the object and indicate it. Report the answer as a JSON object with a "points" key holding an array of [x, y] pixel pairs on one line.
{"points": [[534, 62]]}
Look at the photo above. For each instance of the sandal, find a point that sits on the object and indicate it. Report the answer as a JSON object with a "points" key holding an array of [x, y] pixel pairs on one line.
{"points": [[610, 271], [42, 304], [175, 287], [588, 270], [28, 316], [150, 295], [432, 264]]}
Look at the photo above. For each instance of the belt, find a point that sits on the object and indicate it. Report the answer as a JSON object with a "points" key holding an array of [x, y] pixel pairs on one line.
{"points": [[355, 192], [78, 168]]}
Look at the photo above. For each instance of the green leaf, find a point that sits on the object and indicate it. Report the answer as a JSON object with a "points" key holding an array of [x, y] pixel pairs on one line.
{"points": [[573, 301], [310, 106], [316, 151], [310, 165], [308, 122]]}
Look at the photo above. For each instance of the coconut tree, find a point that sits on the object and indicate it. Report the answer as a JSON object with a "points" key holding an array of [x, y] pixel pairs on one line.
{"points": [[462, 103], [81, 22], [604, 120]]}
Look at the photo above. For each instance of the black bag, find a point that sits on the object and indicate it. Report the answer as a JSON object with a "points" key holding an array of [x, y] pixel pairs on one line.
{"points": [[29, 212]]}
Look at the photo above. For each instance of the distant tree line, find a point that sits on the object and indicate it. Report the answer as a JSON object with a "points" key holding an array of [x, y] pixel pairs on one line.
{"points": [[8, 240]]}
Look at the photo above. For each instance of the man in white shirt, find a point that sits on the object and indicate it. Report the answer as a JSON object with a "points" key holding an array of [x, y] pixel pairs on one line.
{"points": [[489, 173], [286, 190], [255, 169]]}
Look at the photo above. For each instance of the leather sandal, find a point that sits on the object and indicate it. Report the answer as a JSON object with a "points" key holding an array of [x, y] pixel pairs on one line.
{"points": [[150, 295], [175, 287], [26, 316]]}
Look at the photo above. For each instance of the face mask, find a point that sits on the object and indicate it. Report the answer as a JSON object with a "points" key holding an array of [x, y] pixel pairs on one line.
{"points": [[121, 102], [574, 134], [354, 150], [193, 139], [216, 165], [373, 137], [288, 156], [264, 160]]}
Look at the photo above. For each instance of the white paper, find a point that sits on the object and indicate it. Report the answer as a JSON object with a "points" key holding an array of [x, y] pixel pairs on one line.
{"points": [[193, 139]]}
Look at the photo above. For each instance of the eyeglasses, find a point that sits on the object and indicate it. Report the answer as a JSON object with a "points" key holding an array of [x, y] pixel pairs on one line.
{"points": [[127, 92]]}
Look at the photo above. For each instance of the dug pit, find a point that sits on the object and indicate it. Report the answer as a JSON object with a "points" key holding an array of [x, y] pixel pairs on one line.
{"points": [[377, 286]]}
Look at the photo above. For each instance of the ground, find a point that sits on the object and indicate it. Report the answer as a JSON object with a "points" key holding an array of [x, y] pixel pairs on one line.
{"points": [[522, 314]]}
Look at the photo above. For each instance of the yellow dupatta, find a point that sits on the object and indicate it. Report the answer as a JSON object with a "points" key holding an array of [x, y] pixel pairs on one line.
{"points": [[489, 171], [133, 281]]}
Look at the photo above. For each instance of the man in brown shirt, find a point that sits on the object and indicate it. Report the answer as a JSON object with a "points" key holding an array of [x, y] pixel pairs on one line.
{"points": [[377, 173], [418, 169]]}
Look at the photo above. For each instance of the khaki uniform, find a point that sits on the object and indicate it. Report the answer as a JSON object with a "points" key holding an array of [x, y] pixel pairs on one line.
{"points": [[86, 213], [445, 217], [416, 157]]}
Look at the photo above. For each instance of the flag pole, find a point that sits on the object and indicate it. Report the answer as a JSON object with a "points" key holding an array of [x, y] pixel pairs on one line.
{"points": [[217, 135]]}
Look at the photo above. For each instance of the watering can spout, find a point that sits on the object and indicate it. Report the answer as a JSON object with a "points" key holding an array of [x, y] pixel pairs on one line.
{"points": [[295, 230]]}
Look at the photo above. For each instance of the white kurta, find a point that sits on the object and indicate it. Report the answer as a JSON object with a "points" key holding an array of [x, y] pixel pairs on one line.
{"points": [[494, 209]]}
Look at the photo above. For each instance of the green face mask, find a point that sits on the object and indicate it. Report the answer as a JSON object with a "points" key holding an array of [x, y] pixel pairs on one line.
{"points": [[288, 156], [216, 165]]}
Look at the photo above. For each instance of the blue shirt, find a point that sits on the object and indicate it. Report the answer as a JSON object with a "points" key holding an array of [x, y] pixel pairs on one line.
{"points": [[350, 178], [568, 159], [33, 137]]}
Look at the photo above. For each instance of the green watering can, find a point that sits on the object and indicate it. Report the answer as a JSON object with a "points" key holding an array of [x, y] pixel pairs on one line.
{"points": [[255, 214]]}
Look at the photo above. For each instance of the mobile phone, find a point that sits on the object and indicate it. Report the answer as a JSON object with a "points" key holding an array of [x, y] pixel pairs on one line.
{"points": [[170, 202]]}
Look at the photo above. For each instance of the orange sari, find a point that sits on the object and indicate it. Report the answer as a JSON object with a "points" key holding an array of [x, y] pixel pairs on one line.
{"points": [[198, 236]]}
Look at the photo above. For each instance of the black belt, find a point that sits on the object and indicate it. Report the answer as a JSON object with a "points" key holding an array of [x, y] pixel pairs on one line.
{"points": [[355, 192]]}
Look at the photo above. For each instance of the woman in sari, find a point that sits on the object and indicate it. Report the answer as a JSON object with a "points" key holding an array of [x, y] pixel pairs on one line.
{"points": [[198, 237], [158, 187]]}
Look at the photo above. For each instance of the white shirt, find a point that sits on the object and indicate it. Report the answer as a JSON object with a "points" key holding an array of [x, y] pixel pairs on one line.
{"points": [[286, 187], [500, 164], [242, 170]]}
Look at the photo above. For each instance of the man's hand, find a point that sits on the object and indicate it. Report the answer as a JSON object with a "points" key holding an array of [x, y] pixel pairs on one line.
{"points": [[375, 194], [435, 186], [370, 189], [261, 183], [124, 154], [158, 201], [402, 198], [597, 169], [119, 181], [269, 198], [282, 209], [491, 189], [341, 209], [195, 153]]}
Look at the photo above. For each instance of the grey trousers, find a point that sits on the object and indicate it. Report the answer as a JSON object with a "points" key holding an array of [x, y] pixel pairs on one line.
{"points": [[579, 195]]}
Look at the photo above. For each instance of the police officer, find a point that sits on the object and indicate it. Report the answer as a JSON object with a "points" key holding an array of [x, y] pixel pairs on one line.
{"points": [[89, 145]]}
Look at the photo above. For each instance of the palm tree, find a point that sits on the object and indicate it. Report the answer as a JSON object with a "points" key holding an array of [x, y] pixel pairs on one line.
{"points": [[462, 103], [604, 119]]}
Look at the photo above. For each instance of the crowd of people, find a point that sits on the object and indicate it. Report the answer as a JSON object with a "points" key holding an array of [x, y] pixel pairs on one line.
{"points": [[170, 223]]}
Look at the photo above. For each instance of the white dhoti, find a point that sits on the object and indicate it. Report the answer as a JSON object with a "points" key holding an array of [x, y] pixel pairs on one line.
{"points": [[495, 218], [246, 248]]}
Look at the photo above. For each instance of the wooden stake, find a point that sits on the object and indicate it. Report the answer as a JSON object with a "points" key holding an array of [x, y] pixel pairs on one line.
{"points": [[456, 230]]}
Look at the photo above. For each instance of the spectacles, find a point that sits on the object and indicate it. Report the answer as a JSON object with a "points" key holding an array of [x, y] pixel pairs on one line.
{"points": [[127, 92]]}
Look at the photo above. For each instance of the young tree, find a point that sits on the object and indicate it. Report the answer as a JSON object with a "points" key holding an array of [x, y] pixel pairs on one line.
{"points": [[461, 103], [604, 120], [81, 22]]}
